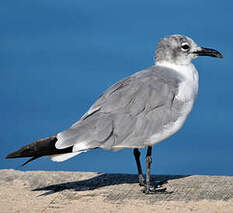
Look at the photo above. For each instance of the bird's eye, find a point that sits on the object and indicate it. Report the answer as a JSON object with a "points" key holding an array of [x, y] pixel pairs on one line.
{"points": [[185, 47]]}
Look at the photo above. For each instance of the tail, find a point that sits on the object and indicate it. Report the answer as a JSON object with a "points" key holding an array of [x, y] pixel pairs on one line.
{"points": [[43, 147]]}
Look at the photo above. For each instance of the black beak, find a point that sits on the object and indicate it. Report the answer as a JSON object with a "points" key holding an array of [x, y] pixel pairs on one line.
{"points": [[208, 52]]}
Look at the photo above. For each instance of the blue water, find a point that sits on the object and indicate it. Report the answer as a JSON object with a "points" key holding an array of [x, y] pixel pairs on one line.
{"points": [[57, 57]]}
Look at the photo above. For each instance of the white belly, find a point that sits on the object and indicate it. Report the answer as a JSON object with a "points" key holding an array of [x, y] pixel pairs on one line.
{"points": [[172, 127]]}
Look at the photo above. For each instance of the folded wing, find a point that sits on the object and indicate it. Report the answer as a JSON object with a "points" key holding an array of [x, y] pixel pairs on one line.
{"points": [[126, 114]]}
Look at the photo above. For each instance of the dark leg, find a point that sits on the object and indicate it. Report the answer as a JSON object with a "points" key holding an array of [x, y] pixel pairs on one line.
{"points": [[148, 187], [140, 175], [148, 163]]}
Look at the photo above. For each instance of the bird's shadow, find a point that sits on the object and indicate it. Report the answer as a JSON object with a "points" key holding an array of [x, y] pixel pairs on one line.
{"points": [[103, 180]]}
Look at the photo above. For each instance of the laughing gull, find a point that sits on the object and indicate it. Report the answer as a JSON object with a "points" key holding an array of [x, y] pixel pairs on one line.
{"points": [[136, 112]]}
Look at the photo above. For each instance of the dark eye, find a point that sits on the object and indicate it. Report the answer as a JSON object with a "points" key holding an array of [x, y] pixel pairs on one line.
{"points": [[185, 47]]}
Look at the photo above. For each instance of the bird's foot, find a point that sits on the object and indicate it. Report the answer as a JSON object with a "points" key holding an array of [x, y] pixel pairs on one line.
{"points": [[157, 188], [154, 190], [141, 180], [157, 185], [149, 190]]}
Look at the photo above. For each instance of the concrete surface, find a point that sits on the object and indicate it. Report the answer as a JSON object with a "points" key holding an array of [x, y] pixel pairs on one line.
{"points": [[40, 191]]}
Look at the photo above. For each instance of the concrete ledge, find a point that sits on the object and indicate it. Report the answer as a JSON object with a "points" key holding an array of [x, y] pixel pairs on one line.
{"points": [[40, 191]]}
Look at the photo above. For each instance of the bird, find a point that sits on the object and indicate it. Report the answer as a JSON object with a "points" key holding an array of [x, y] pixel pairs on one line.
{"points": [[136, 112]]}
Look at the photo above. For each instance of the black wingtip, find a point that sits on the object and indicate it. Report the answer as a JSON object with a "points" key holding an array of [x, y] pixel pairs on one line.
{"points": [[43, 147], [38, 148], [13, 155], [7, 157]]}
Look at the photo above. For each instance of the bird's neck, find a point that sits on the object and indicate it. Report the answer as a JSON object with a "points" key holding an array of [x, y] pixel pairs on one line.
{"points": [[186, 70], [189, 87]]}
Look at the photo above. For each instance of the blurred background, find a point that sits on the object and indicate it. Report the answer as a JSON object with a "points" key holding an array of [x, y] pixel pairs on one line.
{"points": [[57, 57]]}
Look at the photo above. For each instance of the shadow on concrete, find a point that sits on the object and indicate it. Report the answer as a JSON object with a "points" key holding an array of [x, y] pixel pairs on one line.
{"points": [[103, 180]]}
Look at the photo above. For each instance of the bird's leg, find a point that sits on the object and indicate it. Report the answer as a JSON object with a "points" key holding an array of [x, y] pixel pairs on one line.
{"points": [[140, 175], [149, 189], [148, 163]]}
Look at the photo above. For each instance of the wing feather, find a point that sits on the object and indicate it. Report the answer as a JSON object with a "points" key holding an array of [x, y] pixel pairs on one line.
{"points": [[127, 113]]}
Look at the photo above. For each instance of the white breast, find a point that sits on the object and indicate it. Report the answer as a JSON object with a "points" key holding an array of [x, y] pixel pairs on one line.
{"points": [[187, 93], [188, 88]]}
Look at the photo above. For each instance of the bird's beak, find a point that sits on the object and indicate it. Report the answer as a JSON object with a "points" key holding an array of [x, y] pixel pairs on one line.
{"points": [[208, 52]]}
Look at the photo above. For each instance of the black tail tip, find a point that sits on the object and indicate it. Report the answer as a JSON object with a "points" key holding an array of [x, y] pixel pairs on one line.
{"points": [[16, 154], [9, 156]]}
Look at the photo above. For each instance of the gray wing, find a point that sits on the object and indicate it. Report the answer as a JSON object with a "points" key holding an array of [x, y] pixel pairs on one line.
{"points": [[127, 113]]}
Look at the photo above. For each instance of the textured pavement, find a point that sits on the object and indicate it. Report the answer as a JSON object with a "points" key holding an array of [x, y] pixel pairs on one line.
{"points": [[40, 191]]}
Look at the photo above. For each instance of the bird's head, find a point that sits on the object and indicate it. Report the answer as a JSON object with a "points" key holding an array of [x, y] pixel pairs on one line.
{"points": [[180, 50]]}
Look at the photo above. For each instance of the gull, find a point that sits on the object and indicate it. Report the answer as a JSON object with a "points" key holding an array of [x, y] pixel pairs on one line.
{"points": [[136, 112]]}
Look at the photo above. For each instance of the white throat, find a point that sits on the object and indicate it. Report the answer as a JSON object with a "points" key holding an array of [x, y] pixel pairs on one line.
{"points": [[189, 87], [186, 70]]}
